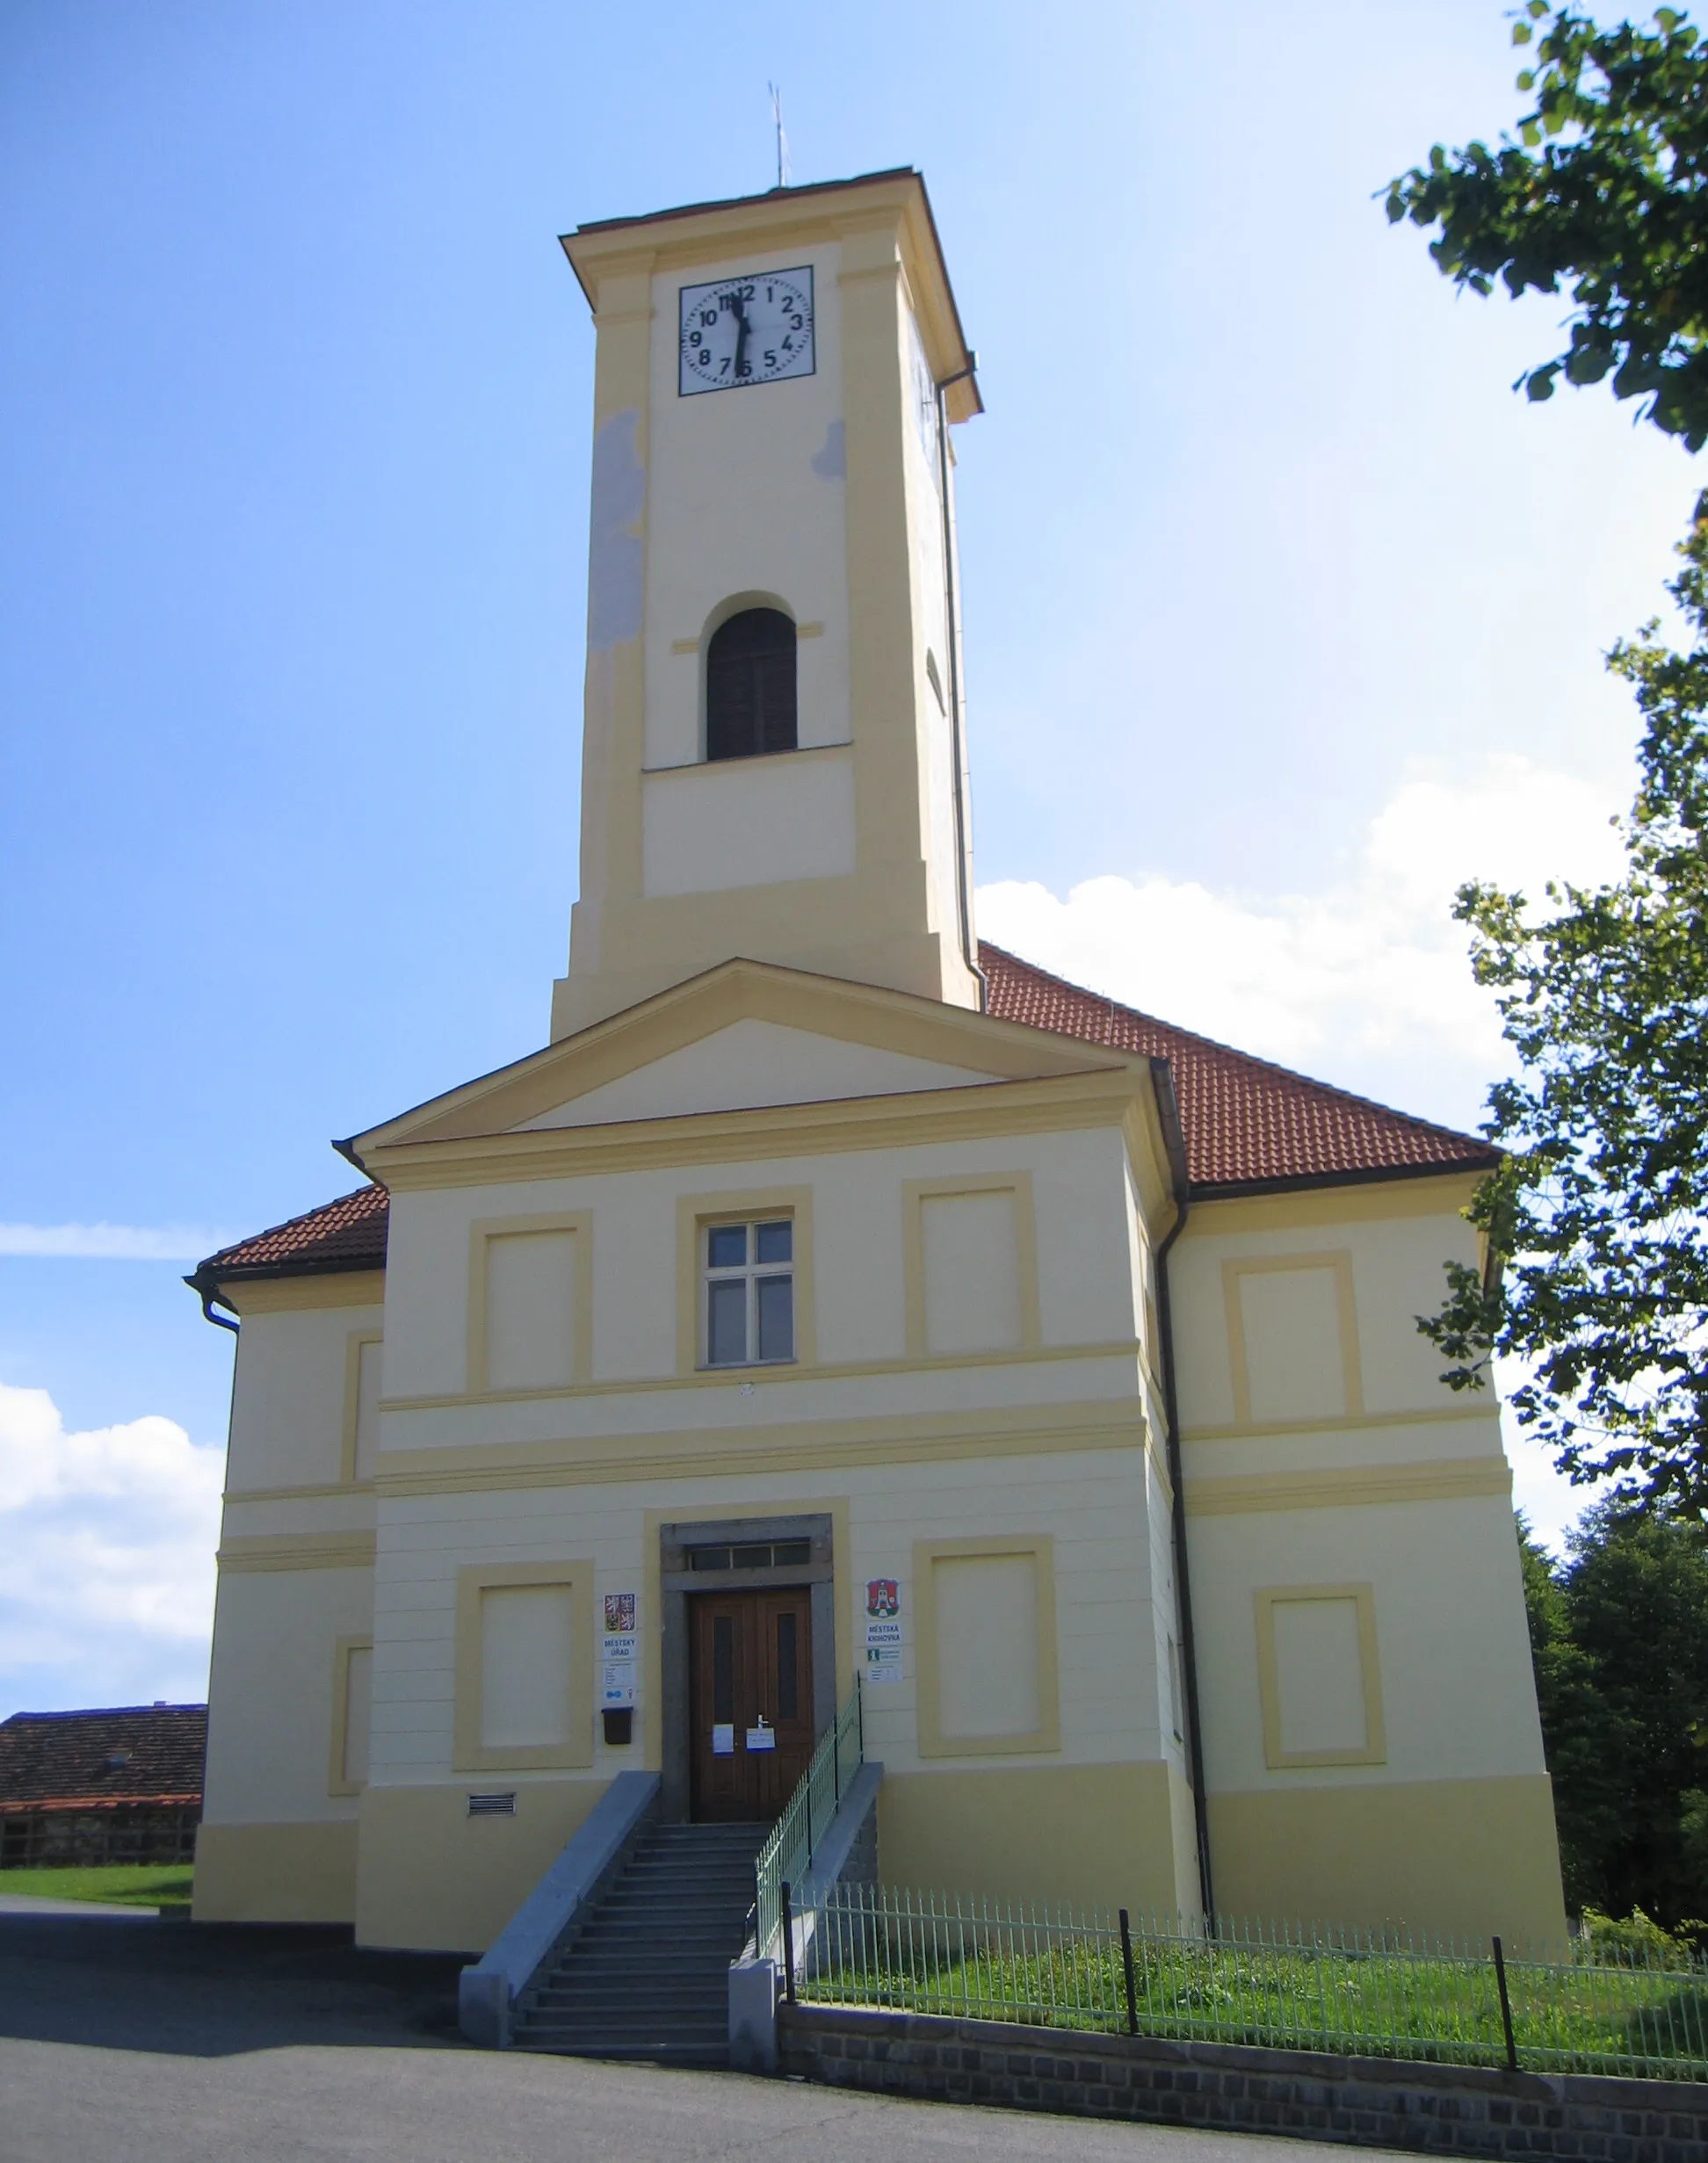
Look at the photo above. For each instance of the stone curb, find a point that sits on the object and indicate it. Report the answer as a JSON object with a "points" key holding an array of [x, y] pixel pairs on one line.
{"points": [[1361, 2101]]}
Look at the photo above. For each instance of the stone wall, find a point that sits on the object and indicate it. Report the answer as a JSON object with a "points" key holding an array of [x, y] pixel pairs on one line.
{"points": [[121, 1833], [1366, 2102]]}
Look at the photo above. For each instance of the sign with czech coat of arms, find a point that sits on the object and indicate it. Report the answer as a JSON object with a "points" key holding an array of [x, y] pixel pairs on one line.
{"points": [[883, 1632]]}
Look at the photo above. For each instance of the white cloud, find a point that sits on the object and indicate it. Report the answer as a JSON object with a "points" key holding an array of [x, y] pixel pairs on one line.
{"points": [[109, 1242], [1364, 981], [106, 1559]]}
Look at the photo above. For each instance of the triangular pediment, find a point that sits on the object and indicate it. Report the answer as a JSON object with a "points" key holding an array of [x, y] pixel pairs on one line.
{"points": [[745, 1036], [750, 1064]]}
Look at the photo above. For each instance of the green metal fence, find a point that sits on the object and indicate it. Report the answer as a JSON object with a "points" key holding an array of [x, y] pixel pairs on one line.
{"points": [[1387, 1996], [784, 1859]]}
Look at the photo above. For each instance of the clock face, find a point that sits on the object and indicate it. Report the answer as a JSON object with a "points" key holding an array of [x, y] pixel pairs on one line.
{"points": [[746, 330], [925, 400]]}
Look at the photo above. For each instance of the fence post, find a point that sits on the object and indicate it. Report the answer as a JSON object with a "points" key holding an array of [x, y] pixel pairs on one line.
{"points": [[1127, 1969], [788, 1945], [1506, 2007]]}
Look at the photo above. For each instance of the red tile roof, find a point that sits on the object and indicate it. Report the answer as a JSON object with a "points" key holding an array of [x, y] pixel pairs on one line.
{"points": [[97, 1761], [1249, 1127], [349, 1234]]}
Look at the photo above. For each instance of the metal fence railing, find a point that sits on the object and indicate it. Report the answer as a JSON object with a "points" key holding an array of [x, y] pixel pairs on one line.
{"points": [[806, 1818], [1641, 2014]]}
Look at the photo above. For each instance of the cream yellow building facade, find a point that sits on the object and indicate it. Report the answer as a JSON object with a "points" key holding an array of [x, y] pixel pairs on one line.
{"points": [[1092, 1426]]}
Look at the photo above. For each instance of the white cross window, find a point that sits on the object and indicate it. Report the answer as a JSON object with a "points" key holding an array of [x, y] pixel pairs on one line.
{"points": [[749, 1311]]}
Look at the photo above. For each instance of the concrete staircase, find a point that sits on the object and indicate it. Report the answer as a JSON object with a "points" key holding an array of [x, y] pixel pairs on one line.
{"points": [[647, 1974]]}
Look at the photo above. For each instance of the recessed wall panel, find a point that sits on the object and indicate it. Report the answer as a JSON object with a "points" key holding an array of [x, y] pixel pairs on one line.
{"points": [[988, 1652], [530, 1310], [1319, 1675], [358, 1700], [367, 1409], [525, 1666], [971, 1269], [1290, 1320]]}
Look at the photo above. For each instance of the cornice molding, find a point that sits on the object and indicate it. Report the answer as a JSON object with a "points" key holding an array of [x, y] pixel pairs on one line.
{"points": [[313, 1288], [829, 1446], [771, 1377], [1347, 1422], [1397, 1192], [256, 1552], [1440, 1479], [982, 1111], [310, 1491]]}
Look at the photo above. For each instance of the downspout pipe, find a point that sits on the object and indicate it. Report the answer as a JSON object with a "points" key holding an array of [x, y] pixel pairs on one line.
{"points": [[208, 1294], [951, 608], [1163, 1078]]}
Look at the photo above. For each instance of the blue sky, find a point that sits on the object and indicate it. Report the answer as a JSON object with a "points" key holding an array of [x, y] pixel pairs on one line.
{"points": [[1282, 614]]}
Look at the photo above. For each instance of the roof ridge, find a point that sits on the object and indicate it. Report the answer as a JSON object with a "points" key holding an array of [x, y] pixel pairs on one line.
{"points": [[1232, 1050], [102, 1712]]}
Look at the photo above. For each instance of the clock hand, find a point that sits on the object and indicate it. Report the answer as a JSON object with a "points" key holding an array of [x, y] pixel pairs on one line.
{"points": [[742, 330]]}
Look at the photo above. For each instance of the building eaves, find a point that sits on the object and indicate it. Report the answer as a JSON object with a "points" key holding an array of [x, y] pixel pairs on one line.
{"points": [[1250, 1127]]}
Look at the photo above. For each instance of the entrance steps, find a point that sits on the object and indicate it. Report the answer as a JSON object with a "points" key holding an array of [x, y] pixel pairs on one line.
{"points": [[646, 1975]]}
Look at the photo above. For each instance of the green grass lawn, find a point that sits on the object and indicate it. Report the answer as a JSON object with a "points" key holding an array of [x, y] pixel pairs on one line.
{"points": [[1568, 2017], [124, 1884]]}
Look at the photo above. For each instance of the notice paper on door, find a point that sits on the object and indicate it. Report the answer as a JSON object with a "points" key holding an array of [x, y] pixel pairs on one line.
{"points": [[723, 1739], [762, 1739]]}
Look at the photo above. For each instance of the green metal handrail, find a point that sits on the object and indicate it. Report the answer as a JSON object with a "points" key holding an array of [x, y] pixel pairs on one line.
{"points": [[786, 1855]]}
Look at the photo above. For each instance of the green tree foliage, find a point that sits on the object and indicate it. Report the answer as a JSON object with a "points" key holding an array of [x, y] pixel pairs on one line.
{"points": [[1618, 1636], [1604, 193], [1602, 1200], [1602, 1197]]}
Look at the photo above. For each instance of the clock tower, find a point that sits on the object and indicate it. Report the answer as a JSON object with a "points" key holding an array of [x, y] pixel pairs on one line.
{"points": [[773, 760]]}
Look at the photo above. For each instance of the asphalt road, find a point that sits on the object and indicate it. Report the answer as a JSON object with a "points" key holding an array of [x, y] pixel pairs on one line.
{"points": [[31, 1903], [164, 2042]]}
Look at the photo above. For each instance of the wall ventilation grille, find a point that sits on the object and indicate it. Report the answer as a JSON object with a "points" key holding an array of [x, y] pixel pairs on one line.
{"points": [[492, 1805]]}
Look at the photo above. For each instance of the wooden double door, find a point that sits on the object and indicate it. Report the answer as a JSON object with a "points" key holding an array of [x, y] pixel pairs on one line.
{"points": [[751, 1701]]}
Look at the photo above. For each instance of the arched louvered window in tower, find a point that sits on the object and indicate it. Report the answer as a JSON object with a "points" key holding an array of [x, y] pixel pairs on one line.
{"points": [[750, 686]]}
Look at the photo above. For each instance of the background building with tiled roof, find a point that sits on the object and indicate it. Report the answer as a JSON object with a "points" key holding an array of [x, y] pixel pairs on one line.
{"points": [[121, 1785], [835, 1298]]}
